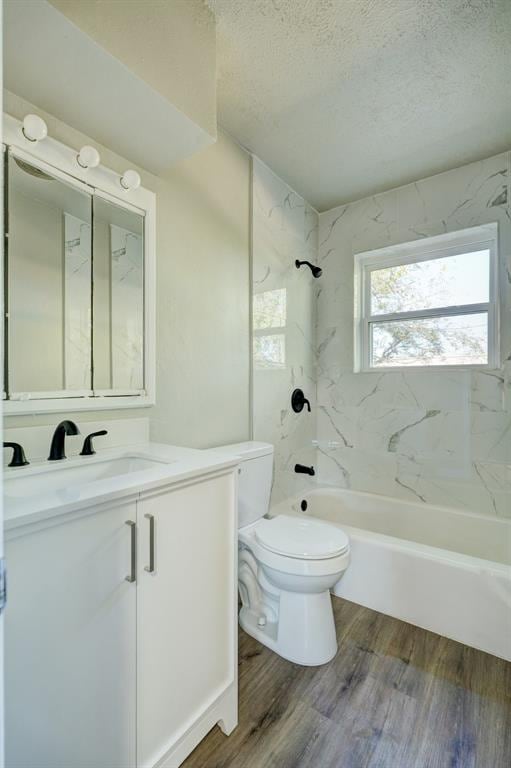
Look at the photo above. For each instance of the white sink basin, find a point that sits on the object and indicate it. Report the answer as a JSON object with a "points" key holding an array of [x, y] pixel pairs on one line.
{"points": [[48, 489], [67, 476]]}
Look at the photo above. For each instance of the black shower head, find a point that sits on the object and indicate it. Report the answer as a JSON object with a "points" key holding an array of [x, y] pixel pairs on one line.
{"points": [[316, 271]]}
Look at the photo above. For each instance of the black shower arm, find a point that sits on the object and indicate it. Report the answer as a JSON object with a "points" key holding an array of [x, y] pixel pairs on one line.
{"points": [[299, 263]]}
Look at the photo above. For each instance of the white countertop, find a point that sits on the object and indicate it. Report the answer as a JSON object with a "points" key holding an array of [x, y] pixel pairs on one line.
{"points": [[175, 465]]}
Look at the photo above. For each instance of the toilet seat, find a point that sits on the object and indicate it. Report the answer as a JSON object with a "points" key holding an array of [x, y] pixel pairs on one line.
{"points": [[301, 538]]}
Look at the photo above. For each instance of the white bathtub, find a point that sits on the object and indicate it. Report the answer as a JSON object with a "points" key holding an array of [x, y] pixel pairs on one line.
{"points": [[442, 569]]}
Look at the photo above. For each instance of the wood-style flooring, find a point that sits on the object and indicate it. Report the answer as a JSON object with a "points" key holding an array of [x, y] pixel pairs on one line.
{"points": [[395, 696]]}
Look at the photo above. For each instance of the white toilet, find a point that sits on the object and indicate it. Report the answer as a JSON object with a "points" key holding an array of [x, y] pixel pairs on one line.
{"points": [[287, 566]]}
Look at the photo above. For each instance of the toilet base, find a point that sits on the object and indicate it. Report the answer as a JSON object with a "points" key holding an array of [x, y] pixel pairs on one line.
{"points": [[304, 631]]}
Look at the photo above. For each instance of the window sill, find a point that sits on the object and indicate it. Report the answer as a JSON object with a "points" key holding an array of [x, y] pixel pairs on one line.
{"points": [[426, 368]]}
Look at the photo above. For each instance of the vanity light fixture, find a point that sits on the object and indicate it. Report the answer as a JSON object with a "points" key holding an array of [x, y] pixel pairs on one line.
{"points": [[34, 128], [130, 180], [88, 157]]}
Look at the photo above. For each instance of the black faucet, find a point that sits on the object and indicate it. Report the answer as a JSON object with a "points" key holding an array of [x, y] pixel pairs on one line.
{"points": [[301, 470], [88, 448], [18, 456], [65, 427]]}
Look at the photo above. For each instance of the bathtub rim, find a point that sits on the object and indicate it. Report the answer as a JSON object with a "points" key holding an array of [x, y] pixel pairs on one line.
{"points": [[332, 490], [426, 551]]}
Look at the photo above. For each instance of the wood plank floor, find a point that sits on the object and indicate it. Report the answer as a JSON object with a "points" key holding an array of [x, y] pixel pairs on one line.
{"points": [[395, 696]]}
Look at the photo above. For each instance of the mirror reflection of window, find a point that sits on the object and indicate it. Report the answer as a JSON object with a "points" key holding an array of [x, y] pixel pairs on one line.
{"points": [[48, 327], [269, 324], [118, 299]]}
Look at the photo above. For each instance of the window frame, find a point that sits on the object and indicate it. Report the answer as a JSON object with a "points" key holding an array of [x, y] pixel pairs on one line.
{"points": [[484, 237]]}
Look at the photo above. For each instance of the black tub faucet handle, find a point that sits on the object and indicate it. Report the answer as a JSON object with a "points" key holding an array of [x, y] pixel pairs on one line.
{"points": [[298, 401]]}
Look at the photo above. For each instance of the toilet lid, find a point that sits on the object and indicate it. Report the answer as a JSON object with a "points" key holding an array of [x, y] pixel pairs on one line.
{"points": [[301, 537]]}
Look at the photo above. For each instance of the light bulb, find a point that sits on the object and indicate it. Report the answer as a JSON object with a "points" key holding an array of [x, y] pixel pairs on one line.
{"points": [[88, 157], [34, 128], [130, 180]]}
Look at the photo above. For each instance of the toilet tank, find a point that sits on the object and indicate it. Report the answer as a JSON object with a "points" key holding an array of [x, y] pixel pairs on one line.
{"points": [[255, 479]]}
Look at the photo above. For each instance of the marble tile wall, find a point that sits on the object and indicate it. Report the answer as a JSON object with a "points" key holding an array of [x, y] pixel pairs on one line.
{"points": [[284, 228], [437, 437]]}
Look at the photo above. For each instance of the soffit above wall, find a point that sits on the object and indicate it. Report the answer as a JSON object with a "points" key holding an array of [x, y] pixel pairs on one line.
{"points": [[344, 98], [49, 61], [170, 45]]}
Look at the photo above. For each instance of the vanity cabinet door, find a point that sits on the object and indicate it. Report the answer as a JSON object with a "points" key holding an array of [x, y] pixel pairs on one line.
{"points": [[185, 611], [70, 636]]}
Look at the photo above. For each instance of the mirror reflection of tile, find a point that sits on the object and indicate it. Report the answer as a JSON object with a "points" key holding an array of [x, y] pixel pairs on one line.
{"points": [[127, 308], [77, 316]]}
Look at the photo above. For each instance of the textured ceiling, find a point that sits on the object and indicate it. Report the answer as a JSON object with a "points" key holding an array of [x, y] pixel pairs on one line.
{"points": [[344, 98]]}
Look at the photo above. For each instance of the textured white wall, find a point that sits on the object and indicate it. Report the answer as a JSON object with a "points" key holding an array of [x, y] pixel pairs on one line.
{"points": [[440, 437], [203, 300]]}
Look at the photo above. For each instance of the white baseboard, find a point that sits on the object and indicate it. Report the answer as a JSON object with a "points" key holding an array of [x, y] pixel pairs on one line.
{"points": [[223, 712]]}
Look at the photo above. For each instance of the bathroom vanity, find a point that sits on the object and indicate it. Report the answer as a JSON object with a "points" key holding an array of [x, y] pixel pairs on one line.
{"points": [[121, 621], [121, 627]]}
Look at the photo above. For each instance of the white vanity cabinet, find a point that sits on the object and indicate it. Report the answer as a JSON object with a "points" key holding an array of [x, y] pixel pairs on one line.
{"points": [[186, 617], [70, 644], [104, 672]]}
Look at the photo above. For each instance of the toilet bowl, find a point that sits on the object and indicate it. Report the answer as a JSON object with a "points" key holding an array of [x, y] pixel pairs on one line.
{"points": [[287, 566]]}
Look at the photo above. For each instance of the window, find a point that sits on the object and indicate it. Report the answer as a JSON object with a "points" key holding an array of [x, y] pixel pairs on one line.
{"points": [[269, 321], [428, 303]]}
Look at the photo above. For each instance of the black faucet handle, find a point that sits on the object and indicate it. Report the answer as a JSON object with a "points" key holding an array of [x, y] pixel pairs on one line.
{"points": [[298, 401], [88, 448], [18, 455]]}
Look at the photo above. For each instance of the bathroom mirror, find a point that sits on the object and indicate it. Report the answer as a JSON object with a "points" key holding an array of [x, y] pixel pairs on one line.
{"points": [[78, 274], [118, 245], [48, 284]]}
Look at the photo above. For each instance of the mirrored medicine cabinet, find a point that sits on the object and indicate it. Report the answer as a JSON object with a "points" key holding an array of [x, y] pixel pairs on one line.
{"points": [[77, 290]]}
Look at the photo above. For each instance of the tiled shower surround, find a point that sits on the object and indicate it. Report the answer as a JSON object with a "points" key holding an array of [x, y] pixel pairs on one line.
{"points": [[284, 228], [440, 437]]}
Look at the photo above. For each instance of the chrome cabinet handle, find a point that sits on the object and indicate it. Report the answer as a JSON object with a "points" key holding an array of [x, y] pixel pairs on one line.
{"points": [[133, 568], [150, 568]]}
